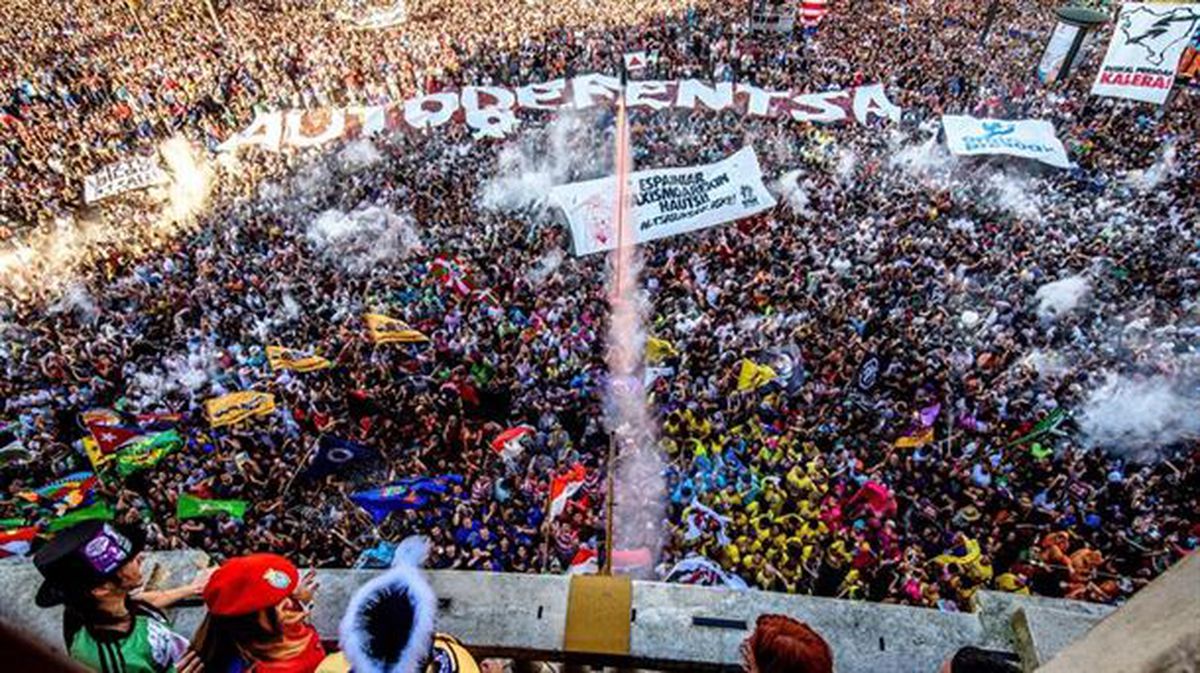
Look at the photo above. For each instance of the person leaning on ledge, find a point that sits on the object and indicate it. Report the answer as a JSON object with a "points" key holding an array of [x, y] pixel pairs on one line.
{"points": [[94, 570]]}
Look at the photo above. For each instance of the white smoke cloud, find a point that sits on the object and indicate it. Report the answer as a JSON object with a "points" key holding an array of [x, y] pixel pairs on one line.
{"points": [[76, 299], [183, 373], [546, 265], [191, 179], [793, 193], [528, 167], [1165, 168], [1134, 416], [359, 154], [1061, 296], [362, 239]]}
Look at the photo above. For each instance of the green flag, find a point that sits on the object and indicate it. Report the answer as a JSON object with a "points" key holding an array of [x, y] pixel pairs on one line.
{"points": [[100, 510], [191, 507], [147, 452], [1047, 425], [18, 522]]}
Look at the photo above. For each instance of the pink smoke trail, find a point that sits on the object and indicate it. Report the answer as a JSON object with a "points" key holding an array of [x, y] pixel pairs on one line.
{"points": [[637, 490]]}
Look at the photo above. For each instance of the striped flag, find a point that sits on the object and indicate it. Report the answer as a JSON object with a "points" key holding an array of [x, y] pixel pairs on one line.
{"points": [[508, 443], [812, 11], [565, 486]]}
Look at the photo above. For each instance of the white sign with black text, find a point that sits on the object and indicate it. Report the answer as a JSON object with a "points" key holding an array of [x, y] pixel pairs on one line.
{"points": [[122, 176], [665, 202]]}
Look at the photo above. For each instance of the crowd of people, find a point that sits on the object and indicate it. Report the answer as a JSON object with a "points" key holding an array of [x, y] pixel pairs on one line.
{"points": [[937, 476]]}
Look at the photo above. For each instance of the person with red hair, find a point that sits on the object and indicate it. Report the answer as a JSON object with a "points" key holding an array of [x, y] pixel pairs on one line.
{"points": [[781, 644]]}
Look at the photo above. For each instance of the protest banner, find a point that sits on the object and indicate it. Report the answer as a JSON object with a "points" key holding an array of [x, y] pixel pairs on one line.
{"points": [[1145, 50], [1027, 138], [280, 357], [665, 202], [491, 111], [237, 407], [122, 176]]}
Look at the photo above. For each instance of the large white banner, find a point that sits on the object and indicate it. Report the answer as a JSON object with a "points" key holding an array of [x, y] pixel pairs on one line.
{"points": [[665, 202], [491, 111], [1144, 53], [122, 176], [1028, 138]]}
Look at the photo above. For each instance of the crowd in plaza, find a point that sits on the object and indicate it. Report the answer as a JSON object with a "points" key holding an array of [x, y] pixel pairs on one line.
{"points": [[956, 463]]}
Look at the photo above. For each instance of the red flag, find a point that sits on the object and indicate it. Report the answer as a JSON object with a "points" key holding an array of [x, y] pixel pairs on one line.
{"points": [[109, 438], [16, 542], [812, 11], [508, 443], [565, 486], [584, 563]]}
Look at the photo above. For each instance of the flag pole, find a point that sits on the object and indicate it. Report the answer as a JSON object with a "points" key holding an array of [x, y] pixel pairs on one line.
{"points": [[137, 19], [608, 506], [212, 13]]}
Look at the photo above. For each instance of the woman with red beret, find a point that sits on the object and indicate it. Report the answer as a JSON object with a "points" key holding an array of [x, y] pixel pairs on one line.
{"points": [[257, 621]]}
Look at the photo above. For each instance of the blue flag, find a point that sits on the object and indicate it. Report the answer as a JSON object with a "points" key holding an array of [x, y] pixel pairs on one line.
{"points": [[333, 454], [411, 493]]}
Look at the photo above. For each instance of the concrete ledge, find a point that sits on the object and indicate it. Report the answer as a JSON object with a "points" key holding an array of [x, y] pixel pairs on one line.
{"points": [[1041, 633], [524, 617], [1158, 630], [995, 611], [864, 636]]}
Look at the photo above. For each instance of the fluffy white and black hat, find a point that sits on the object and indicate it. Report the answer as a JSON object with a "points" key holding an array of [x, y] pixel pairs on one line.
{"points": [[388, 625]]}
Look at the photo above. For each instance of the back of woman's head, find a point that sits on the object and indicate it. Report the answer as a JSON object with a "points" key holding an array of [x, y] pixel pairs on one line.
{"points": [[219, 639], [781, 644]]}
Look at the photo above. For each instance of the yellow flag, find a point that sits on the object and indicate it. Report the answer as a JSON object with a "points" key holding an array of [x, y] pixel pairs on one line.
{"points": [[658, 350], [754, 375], [384, 330], [94, 455], [237, 407], [915, 441], [287, 358]]}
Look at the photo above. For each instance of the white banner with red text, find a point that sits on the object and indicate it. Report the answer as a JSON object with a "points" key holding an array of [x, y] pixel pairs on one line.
{"points": [[491, 111], [1147, 43]]}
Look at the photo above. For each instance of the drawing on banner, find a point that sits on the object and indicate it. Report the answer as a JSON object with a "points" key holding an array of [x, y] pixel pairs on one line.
{"points": [[1145, 51], [122, 176], [665, 202], [1027, 138], [490, 111]]}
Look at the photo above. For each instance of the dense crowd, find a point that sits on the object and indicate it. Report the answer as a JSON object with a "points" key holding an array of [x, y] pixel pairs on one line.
{"points": [[885, 250]]}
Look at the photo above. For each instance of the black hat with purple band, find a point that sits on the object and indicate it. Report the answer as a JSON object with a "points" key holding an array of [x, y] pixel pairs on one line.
{"points": [[82, 557]]}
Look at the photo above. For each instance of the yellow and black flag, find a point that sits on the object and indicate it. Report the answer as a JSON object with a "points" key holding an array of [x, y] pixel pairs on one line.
{"points": [[237, 407], [384, 330], [288, 358]]}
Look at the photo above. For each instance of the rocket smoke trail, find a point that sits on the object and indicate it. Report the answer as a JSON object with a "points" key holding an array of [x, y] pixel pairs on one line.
{"points": [[638, 491]]}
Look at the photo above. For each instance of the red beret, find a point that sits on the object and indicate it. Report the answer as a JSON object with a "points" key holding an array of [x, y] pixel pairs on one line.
{"points": [[250, 583]]}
